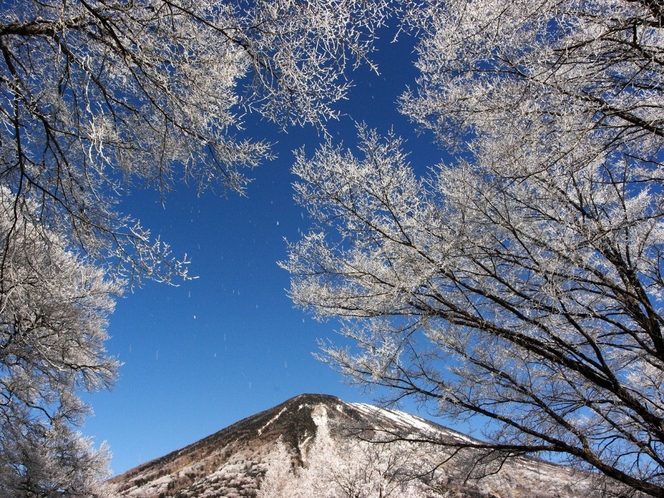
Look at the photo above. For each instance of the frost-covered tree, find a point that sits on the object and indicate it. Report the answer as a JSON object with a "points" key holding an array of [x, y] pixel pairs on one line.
{"points": [[279, 473], [521, 282], [345, 468], [96, 94], [354, 468], [53, 310]]}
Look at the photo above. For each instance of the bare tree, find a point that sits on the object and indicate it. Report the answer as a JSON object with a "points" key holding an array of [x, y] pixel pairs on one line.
{"points": [[522, 282]]}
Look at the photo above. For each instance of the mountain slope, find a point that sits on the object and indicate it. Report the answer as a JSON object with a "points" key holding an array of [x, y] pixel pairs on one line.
{"points": [[318, 445]]}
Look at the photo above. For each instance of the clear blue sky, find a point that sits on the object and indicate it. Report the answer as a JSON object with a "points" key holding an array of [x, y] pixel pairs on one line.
{"points": [[229, 344]]}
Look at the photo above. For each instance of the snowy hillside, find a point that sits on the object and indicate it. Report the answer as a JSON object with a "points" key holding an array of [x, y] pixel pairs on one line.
{"points": [[317, 445]]}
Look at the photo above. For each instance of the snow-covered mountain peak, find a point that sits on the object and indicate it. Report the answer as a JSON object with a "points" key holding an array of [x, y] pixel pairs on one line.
{"points": [[317, 445]]}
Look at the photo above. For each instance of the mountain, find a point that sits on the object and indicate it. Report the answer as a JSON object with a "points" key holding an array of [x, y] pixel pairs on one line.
{"points": [[317, 445]]}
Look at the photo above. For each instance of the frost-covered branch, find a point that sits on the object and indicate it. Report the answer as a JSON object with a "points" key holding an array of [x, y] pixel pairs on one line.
{"points": [[53, 310], [522, 281], [530, 299], [95, 96]]}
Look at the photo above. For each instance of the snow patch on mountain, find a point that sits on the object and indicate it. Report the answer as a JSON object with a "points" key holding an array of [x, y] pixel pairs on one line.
{"points": [[260, 431], [319, 415], [410, 422]]}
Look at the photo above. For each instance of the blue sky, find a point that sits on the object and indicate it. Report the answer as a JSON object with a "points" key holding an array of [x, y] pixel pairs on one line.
{"points": [[203, 355]]}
